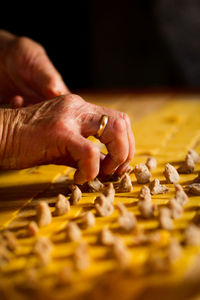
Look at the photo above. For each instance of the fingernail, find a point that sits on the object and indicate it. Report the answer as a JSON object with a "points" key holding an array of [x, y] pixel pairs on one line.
{"points": [[110, 173], [123, 169], [79, 178], [57, 91]]}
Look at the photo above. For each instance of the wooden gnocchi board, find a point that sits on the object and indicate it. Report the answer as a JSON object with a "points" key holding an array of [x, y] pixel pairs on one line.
{"points": [[165, 127]]}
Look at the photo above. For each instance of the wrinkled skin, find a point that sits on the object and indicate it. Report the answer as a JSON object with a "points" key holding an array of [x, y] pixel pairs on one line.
{"points": [[54, 131], [27, 75]]}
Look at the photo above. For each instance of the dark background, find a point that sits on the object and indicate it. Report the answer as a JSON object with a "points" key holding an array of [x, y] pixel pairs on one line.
{"points": [[106, 44]]}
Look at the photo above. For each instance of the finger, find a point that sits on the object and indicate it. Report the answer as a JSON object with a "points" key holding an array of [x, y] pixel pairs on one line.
{"points": [[91, 123], [26, 92], [117, 136], [46, 79], [25, 99], [17, 101], [21, 101], [122, 169], [102, 157], [116, 140], [130, 136], [87, 157]]}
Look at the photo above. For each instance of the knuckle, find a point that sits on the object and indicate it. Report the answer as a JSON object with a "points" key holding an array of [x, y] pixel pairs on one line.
{"points": [[74, 99], [119, 126], [21, 41], [25, 42], [40, 48], [60, 128], [58, 125], [75, 96], [125, 116], [91, 152]]}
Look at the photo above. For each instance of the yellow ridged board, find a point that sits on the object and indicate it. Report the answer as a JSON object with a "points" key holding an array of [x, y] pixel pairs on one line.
{"points": [[167, 134]]}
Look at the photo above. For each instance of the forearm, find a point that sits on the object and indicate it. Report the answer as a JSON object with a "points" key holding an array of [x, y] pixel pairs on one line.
{"points": [[9, 121]]}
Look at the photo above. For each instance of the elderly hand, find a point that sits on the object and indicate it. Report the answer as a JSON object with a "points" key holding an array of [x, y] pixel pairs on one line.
{"points": [[56, 131], [27, 76]]}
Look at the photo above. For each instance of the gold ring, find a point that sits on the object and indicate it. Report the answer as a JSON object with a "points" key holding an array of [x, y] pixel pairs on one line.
{"points": [[103, 123]]}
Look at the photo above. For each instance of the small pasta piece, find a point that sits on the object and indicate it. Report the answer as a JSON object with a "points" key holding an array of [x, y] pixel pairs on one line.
{"points": [[151, 163], [81, 256], [193, 188], [195, 156], [126, 219], [192, 235], [106, 237], [171, 174], [146, 209], [109, 192], [95, 185], [180, 195], [145, 193], [62, 206], [88, 220], [73, 232], [176, 208], [33, 228], [103, 206], [43, 248], [125, 184], [187, 166], [76, 195], [157, 188], [174, 251], [197, 179], [120, 253], [165, 219], [44, 216], [142, 173]]}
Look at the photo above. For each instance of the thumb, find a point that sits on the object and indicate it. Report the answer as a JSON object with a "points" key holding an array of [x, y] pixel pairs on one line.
{"points": [[17, 101]]}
